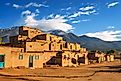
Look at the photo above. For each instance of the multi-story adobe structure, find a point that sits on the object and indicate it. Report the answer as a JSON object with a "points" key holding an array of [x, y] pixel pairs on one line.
{"points": [[96, 57], [33, 48]]}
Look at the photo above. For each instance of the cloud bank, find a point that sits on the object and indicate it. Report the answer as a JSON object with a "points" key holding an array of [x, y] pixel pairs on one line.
{"points": [[83, 11], [109, 35], [31, 4], [112, 4], [56, 22]]}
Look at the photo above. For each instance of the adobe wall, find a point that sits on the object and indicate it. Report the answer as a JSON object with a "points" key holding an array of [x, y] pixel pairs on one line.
{"points": [[67, 59], [9, 56]]}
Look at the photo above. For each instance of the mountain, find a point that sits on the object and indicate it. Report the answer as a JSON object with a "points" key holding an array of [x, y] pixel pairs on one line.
{"points": [[91, 43], [6, 33], [70, 37]]}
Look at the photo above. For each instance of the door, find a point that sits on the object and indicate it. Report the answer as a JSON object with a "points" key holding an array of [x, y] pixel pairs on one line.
{"points": [[30, 61], [2, 61]]}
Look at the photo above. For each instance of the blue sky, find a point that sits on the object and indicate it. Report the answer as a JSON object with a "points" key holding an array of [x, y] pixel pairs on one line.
{"points": [[94, 18]]}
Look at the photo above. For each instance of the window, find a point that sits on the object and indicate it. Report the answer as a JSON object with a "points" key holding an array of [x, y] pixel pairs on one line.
{"points": [[77, 56], [1, 58], [71, 47], [21, 57], [66, 45], [50, 39], [50, 46], [32, 31], [61, 47], [25, 33], [30, 45], [36, 57], [21, 50], [64, 56]]}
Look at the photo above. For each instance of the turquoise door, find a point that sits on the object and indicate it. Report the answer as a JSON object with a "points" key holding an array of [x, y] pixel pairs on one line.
{"points": [[2, 61]]}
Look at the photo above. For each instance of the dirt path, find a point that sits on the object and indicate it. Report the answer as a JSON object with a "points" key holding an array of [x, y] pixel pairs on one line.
{"points": [[95, 72]]}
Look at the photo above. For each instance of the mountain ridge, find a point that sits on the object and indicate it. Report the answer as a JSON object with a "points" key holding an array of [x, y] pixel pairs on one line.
{"points": [[91, 43]]}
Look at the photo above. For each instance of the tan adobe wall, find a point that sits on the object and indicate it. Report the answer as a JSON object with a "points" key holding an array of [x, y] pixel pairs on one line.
{"points": [[110, 58], [56, 46], [77, 46], [47, 56], [37, 63], [73, 46], [97, 56], [12, 58], [10, 54], [67, 59], [48, 37], [31, 32], [54, 38], [34, 46]]}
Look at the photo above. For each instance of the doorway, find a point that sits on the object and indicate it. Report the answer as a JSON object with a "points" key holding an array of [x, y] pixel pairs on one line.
{"points": [[30, 61], [2, 63]]}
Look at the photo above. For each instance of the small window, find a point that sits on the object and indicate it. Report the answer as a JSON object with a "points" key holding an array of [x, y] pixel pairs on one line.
{"points": [[21, 50], [71, 47], [21, 57], [78, 56], [1, 58], [36, 57], [61, 47], [30, 45], [64, 56], [50, 38], [66, 45]]}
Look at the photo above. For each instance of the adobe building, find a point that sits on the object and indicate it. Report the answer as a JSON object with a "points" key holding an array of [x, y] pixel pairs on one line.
{"points": [[70, 55], [96, 57], [109, 58], [32, 48]]}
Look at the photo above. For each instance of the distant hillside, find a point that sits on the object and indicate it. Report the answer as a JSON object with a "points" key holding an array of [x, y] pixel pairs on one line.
{"points": [[6, 33], [91, 43]]}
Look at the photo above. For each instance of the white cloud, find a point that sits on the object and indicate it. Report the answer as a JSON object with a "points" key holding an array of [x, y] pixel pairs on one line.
{"points": [[35, 5], [112, 4], [85, 20], [17, 6], [76, 21], [82, 13], [30, 21], [87, 8], [29, 5], [68, 8], [37, 11], [74, 15], [51, 16], [27, 12], [106, 35], [110, 27], [57, 22]]}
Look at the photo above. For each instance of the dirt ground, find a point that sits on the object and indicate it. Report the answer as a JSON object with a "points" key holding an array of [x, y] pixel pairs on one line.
{"points": [[107, 71]]}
